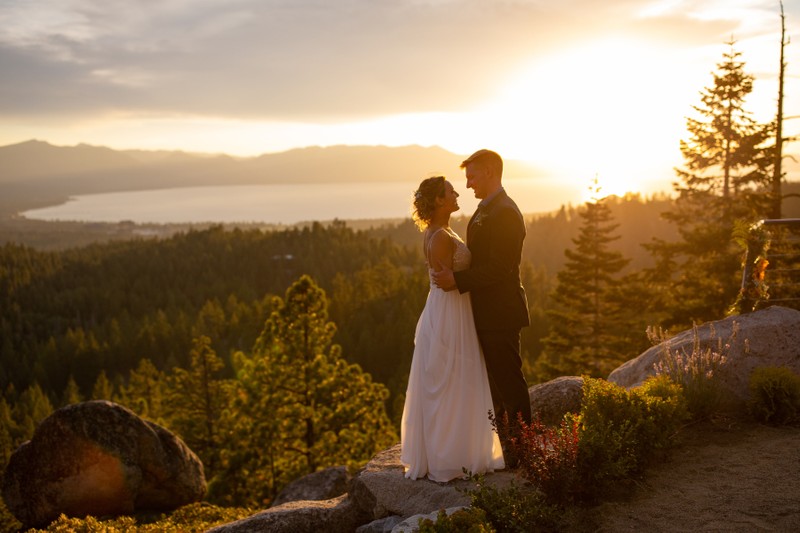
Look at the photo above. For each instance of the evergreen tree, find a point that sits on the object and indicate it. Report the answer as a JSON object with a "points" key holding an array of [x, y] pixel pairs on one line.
{"points": [[8, 430], [82, 350], [32, 407], [378, 308], [538, 287], [726, 177], [302, 406], [144, 392], [211, 322], [103, 389], [587, 320], [198, 403], [72, 393]]}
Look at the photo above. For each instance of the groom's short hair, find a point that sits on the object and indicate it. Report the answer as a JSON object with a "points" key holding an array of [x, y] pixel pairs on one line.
{"points": [[485, 158]]}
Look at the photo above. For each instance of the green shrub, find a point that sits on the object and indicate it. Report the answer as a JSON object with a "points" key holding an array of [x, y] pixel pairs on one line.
{"points": [[617, 433], [621, 430], [468, 520], [91, 524], [775, 395], [668, 408], [516, 508], [192, 518]]}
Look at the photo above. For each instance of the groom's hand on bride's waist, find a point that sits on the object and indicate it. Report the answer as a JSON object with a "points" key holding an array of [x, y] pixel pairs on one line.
{"points": [[443, 278]]}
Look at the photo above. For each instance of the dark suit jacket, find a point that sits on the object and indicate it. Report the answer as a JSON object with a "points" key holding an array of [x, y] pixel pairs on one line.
{"points": [[494, 236]]}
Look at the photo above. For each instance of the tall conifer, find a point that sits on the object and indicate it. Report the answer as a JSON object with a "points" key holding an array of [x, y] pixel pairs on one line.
{"points": [[144, 392], [72, 393], [586, 317], [725, 178], [198, 401], [32, 407], [102, 389], [302, 406], [8, 431]]}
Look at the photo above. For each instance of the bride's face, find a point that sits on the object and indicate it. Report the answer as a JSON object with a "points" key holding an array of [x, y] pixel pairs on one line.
{"points": [[450, 199]]}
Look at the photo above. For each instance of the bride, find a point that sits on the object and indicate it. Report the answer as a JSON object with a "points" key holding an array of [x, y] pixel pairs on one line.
{"points": [[445, 427]]}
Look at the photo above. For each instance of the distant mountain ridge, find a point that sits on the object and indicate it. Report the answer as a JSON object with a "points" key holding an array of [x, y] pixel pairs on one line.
{"points": [[37, 159], [85, 168], [36, 173]]}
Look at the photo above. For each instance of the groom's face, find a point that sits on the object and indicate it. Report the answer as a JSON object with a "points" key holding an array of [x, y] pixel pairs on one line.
{"points": [[477, 180]]}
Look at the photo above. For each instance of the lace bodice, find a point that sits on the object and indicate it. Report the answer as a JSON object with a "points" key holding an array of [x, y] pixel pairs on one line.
{"points": [[461, 256]]}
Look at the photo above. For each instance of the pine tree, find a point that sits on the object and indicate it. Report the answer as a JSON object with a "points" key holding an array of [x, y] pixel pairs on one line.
{"points": [[103, 389], [198, 403], [211, 321], [72, 393], [725, 154], [8, 430], [81, 348], [302, 406], [538, 287], [587, 320], [32, 407], [144, 392], [726, 177], [384, 302]]}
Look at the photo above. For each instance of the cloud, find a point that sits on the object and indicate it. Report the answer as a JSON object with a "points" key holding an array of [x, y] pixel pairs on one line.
{"points": [[300, 60]]}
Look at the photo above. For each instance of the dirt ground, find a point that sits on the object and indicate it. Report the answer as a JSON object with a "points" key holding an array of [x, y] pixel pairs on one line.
{"points": [[726, 475]]}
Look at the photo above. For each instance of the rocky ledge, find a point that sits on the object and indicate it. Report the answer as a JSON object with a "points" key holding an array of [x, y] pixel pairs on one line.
{"points": [[378, 499]]}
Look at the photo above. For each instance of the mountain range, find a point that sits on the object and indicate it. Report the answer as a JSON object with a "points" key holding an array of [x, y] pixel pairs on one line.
{"points": [[38, 173]]}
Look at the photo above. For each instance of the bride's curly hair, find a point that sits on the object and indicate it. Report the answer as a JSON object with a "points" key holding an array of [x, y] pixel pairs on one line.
{"points": [[425, 200]]}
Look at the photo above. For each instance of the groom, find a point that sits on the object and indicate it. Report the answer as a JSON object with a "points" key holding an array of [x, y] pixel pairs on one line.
{"points": [[494, 236]]}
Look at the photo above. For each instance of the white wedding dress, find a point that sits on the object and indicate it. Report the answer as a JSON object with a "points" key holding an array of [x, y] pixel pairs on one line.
{"points": [[446, 426]]}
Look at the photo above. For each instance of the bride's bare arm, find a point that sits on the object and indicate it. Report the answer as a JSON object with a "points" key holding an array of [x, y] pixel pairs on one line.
{"points": [[441, 251]]}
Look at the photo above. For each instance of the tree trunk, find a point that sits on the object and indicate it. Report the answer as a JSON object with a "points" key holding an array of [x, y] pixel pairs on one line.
{"points": [[777, 196]]}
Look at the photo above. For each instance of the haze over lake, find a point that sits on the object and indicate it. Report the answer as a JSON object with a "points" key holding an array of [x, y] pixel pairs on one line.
{"points": [[283, 203]]}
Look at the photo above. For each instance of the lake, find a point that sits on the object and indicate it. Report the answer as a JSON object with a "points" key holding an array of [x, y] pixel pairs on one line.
{"points": [[282, 203]]}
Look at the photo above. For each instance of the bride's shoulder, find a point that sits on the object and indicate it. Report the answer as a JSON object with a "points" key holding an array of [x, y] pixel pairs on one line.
{"points": [[455, 236], [450, 235], [438, 237], [433, 232]]}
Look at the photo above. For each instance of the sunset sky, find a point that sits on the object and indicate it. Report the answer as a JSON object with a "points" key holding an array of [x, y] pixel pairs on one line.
{"points": [[577, 87]]}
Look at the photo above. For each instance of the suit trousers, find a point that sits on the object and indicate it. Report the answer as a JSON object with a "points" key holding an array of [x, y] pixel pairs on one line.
{"points": [[501, 351]]}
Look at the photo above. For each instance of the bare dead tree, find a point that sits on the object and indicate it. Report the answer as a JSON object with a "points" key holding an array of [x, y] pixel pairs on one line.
{"points": [[777, 177]]}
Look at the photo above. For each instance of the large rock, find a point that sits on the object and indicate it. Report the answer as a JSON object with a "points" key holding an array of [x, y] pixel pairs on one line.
{"points": [[338, 515], [323, 485], [99, 458], [381, 525], [382, 489], [555, 398], [769, 337]]}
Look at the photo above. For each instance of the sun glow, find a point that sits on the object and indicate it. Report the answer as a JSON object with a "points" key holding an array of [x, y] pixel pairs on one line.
{"points": [[606, 109]]}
